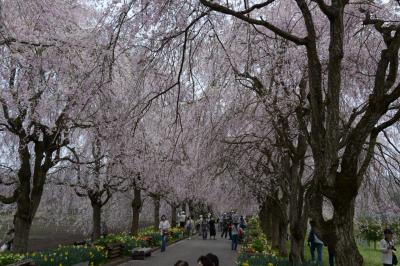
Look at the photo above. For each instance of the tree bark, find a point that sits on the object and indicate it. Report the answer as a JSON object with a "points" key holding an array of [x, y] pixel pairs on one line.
{"points": [[136, 207], [275, 233], [156, 201], [29, 194], [96, 220], [191, 208], [265, 220], [298, 215], [296, 256], [283, 234], [346, 251], [22, 226], [173, 215]]}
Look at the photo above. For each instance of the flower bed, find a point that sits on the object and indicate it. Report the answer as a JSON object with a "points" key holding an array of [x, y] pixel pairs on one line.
{"points": [[95, 254], [62, 256], [9, 258], [256, 250]]}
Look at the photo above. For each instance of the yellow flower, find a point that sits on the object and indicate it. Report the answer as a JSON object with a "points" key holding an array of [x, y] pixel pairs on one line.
{"points": [[246, 263], [60, 264], [45, 258]]}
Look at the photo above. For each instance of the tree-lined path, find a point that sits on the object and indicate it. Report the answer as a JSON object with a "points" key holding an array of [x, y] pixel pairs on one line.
{"points": [[190, 251]]}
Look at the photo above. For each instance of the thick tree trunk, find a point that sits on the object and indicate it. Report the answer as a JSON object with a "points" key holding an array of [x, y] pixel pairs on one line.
{"points": [[265, 220], [296, 256], [275, 233], [136, 206], [298, 215], [22, 226], [191, 208], [156, 201], [173, 215], [96, 220], [346, 251], [30, 194], [283, 234]]}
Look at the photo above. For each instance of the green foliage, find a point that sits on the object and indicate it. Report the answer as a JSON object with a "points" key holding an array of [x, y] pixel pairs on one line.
{"points": [[7, 258], [371, 230], [255, 241], [265, 260], [62, 256]]}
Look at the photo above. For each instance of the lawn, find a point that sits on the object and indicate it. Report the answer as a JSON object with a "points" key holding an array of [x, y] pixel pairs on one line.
{"points": [[371, 257]]}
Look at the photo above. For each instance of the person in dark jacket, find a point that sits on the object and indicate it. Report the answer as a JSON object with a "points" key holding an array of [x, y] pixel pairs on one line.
{"points": [[213, 230]]}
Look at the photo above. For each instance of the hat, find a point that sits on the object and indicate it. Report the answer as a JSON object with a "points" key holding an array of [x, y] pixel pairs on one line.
{"points": [[388, 232]]}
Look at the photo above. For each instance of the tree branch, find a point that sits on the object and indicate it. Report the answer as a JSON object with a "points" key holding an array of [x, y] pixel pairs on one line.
{"points": [[240, 15]]}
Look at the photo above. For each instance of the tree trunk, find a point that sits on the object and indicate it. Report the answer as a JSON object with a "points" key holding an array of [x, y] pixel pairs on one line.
{"points": [[96, 220], [265, 220], [191, 208], [30, 194], [22, 226], [173, 215], [346, 251], [275, 233], [296, 256], [283, 227], [136, 206], [156, 201], [298, 215]]}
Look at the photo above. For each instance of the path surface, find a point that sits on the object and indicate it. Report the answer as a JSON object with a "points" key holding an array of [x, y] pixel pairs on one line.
{"points": [[190, 251]]}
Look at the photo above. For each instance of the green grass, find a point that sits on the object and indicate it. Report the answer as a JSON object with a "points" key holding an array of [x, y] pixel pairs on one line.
{"points": [[371, 256]]}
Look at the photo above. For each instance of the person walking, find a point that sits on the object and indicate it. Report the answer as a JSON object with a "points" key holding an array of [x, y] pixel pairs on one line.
{"points": [[213, 230], [388, 258], [331, 255], [315, 243], [164, 230], [182, 219], [204, 228], [235, 236], [230, 226], [242, 224], [224, 226], [198, 225], [189, 227]]}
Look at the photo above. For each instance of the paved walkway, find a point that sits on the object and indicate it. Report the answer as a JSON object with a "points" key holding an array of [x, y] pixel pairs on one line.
{"points": [[190, 250]]}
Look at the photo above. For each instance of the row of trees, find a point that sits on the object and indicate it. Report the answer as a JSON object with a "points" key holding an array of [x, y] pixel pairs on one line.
{"points": [[292, 103]]}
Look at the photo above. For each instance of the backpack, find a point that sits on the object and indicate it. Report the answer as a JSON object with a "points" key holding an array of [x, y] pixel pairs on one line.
{"points": [[240, 231]]}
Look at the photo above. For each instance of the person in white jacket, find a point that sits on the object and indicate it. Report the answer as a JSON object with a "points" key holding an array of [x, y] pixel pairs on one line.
{"points": [[387, 248], [164, 230]]}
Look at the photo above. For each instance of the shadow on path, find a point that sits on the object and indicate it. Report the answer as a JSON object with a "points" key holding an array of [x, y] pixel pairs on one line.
{"points": [[190, 251]]}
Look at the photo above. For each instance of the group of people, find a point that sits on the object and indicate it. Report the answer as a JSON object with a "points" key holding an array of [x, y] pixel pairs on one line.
{"points": [[229, 223], [207, 260], [233, 225]]}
